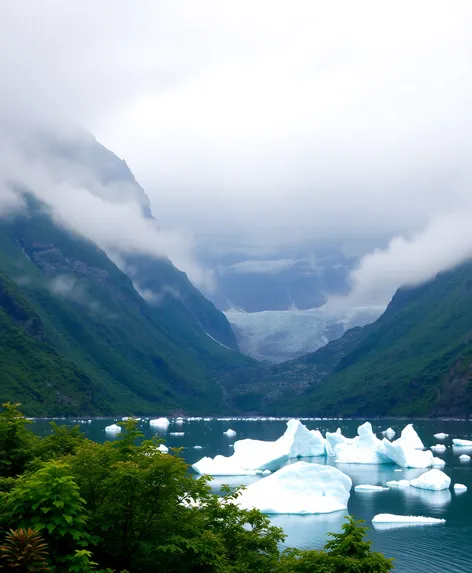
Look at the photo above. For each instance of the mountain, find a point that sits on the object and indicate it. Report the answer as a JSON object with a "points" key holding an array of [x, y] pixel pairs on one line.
{"points": [[416, 359], [77, 338]]}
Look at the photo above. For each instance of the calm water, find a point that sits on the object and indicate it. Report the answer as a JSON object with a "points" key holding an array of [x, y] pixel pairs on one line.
{"points": [[431, 549]]}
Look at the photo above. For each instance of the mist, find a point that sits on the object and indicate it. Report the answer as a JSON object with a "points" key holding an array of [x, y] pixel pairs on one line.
{"points": [[252, 124]]}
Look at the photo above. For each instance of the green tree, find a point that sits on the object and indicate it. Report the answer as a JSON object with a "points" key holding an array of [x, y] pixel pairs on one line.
{"points": [[17, 444], [49, 501]]}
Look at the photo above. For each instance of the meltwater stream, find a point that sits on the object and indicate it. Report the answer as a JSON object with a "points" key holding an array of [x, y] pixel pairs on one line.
{"points": [[428, 549]]}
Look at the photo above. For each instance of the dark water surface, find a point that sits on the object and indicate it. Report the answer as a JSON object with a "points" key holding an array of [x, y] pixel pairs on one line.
{"points": [[431, 549]]}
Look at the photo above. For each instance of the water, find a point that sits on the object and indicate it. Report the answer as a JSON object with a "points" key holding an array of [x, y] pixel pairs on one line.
{"points": [[431, 549]]}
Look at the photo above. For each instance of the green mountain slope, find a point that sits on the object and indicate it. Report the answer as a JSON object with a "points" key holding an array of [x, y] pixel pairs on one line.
{"points": [[96, 328], [416, 359]]}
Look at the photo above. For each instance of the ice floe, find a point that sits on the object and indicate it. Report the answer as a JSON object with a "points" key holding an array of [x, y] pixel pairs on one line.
{"points": [[367, 487], [434, 480], [460, 487], [299, 488], [389, 433], [229, 432], [400, 483], [464, 458], [441, 436], [461, 443], [439, 448], [389, 520], [178, 434], [162, 423], [113, 429], [197, 447], [162, 448], [438, 463]]}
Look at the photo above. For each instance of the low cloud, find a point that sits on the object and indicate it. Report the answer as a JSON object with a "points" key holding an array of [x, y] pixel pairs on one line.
{"points": [[410, 260], [110, 213]]}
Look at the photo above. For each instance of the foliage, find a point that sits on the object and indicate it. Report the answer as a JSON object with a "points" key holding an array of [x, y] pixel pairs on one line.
{"points": [[16, 443], [24, 551], [122, 505], [49, 501]]}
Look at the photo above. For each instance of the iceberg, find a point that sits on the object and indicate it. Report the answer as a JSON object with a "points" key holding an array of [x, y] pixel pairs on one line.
{"points": [[177, 434], [464, 458], [401, 483], [159, 423], [462, 443], [438, 463], [229, 432], [197, 447], [179, 421], [219, 466], [113, 429], [266, 472], [162, 448], [299, 488], [389, 433], [410, 437], [391, 520], [365, 448], [302, 442], [367, 487], [402, 453], [260, 455], [434, 480], [439, 448], [441, 436], [460, 487]]}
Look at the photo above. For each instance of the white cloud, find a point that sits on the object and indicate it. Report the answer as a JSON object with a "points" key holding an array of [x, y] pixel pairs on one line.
{"points": [[325, 121]]}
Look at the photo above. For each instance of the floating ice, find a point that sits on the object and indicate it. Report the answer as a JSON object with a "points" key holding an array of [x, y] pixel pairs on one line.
{"points": [[179, 421], [404, 520], [464, 458], [302, 442], [219, 466], [197, 447], [229, 432], [159, 423], [434, 480], [459, 442], [113, 429], [299, 488], [367, 487], [402, 453], [162, 448], [178, 434], [438, 463], [439, 448], [266, 472], [460, 487], [410, 436], [366, 448], [401, 483], [441, 436], [389, 433]]}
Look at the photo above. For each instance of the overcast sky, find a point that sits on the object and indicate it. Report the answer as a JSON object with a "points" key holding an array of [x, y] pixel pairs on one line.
{"points": [[278, 121]]}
